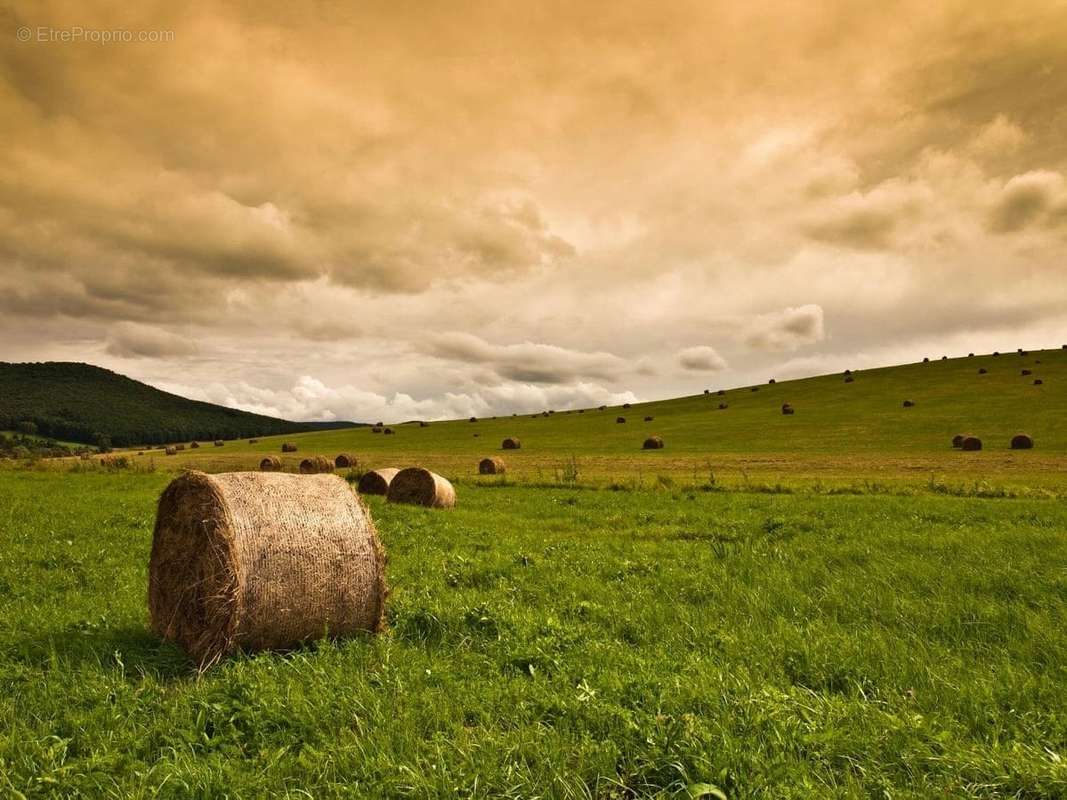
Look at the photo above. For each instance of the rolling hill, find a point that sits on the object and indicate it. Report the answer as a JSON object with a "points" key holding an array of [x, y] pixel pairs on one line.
{"points": [[80, 403]]}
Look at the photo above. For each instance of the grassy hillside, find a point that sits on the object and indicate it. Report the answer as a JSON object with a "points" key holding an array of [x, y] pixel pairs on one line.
{"points": [[81, 403], [860, 426]]}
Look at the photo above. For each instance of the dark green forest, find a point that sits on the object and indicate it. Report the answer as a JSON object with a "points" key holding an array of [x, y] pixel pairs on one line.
{"points": [[82, 403]]}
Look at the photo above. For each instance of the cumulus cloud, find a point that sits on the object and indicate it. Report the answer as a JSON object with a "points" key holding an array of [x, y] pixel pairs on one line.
{"points": [[701, 358], [132, 340], [787, 329], [1029, 199]]}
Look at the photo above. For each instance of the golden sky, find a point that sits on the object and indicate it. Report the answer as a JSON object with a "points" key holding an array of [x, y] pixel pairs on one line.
{"points": [[393, 210]]}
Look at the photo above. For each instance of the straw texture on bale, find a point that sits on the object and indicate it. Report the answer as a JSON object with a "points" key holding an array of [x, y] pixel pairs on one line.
{"points": [[270, 464], [420, 487], [1021, 441], [344, 460], [511, 443], [652, 443], [376, 481], [971, 443], [171, 451], [256, 560], [288, 447], [315, 464], [491, 466]]}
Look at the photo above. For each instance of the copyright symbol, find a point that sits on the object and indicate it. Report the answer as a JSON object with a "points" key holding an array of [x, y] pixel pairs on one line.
{"points": [[23, 34]]}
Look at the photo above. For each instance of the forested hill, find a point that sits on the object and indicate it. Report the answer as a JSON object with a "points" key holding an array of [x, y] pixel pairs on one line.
{"points": [[81, 403]]}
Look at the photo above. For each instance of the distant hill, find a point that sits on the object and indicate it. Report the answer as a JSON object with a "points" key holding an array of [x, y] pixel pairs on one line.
{"points": [[80, 403]]}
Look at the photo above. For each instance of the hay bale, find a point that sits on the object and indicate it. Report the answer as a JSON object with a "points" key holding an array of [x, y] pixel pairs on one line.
{"points": [[1038, 382], [620, 420], [581, 410], [544, 413], [970, 355], [511, 443], [944, 358], [926, 360], [648, 419], [379, 424], [179, 447], [909, 404], [849, 379], [375, 429], [491, 466], [477, 435], [313, 465], [772, 381], [707, 391], [971, 443], [723, 406], [253, 441], [1025, 372], [847, 372], [288, 447], [219, 443], [473, 419], [957, 440], [270, 464], [982, 371], [376, 481], [194, 445], [721, 392], [388, 432], [1022, 441], [601, 408], [254, 561], [625, 405], [996, 354], [652, 443], [420, 487], [788, 410], [346, 461], [171, 451]]}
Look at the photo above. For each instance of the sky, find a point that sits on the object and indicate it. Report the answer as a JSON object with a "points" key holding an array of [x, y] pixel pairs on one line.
{"points": [[431, 210]]}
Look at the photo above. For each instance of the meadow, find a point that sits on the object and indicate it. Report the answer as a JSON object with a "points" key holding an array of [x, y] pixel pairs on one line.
{"points": [[843, 608]]}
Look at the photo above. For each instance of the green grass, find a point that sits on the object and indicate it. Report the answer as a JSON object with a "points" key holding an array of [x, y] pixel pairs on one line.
{"points": [[562, 643]]}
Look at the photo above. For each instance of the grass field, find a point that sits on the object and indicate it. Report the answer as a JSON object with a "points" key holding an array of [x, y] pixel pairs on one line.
{"points": [[839, 433], [834, 604]]}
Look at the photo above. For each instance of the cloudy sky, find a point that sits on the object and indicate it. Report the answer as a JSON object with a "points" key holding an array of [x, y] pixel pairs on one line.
{"points": [[398, 210]]}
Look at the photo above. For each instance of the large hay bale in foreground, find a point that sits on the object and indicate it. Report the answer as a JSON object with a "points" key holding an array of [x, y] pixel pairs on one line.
{"points": [[288, 447], [1022, 441], [652, 443], [312, 465], [346, 461], [971, 443], [171, 451], [270, 464], [376, 481], [511, 443], [420, 487], [492, 466], [256, 560]]}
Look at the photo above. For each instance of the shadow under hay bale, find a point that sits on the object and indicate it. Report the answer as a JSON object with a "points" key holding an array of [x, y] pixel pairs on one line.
{"points": [[971, 443], [255, 561], [1022, 441], [288, 447], [313, 465], [511, 443], [270, 464], [788, 410], [620, 420], [376, 481], [652, 443], [909, 404], [420, 487], [491, 466], [346, 461]]}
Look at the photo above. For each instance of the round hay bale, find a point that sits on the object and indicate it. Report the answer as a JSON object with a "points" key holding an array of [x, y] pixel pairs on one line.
{"points": [[970, 355], [219, 443], [511, 443], [944, 358], [171, 451], [420, 487], [491, 466], [721, 392], [379, 424], [1022, 352], [996, 354], [772, 381], [544, 413], [346, 461], [253, 561], [477, 435], [194, 445], [723, 406], [652, 443], [909, 404], [1022, 441], [375, 429], [288, 447], [982, 371], [1026, 372], [788, 410], [648, 419], [376, 481], [253, 441], [388, 432], [957, 440], [620, 420], [313, 465], [707, 391], [473, 419], [1038, 382], [270, 464], [179, 447], [926, 360], [849, 379], [971, 443], [847, 372], [625, 405]]}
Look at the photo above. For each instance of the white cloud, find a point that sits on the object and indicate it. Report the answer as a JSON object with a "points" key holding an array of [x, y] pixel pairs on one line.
{"points": [[133, 340], [787, 329], [701, 358]]}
